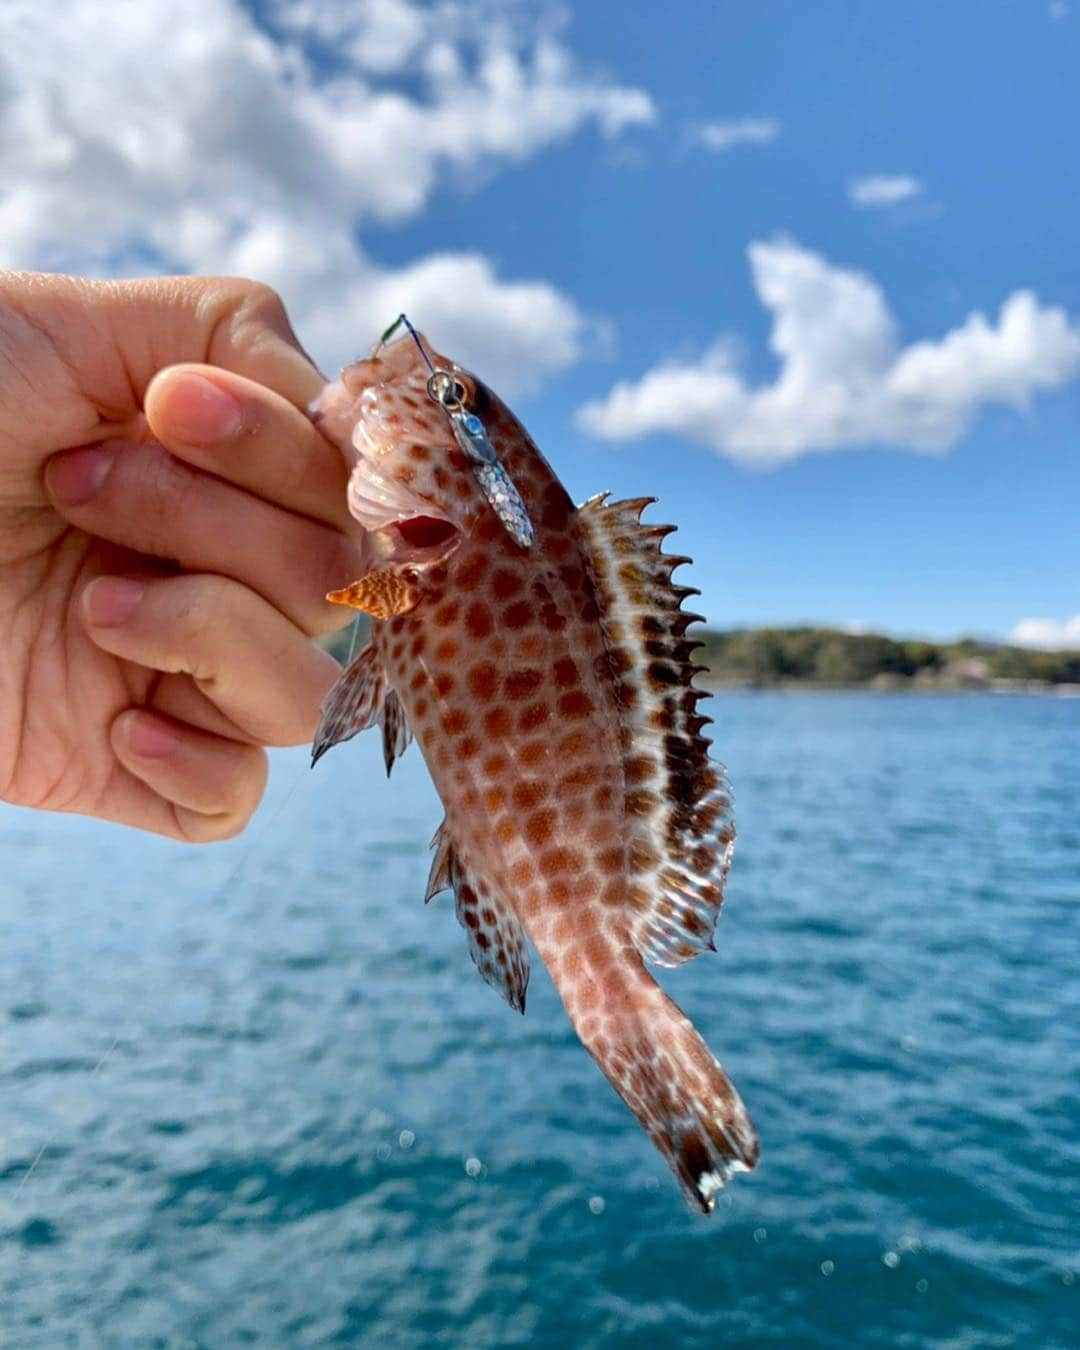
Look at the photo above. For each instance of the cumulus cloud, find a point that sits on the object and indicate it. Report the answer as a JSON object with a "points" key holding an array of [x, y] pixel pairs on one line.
{"points": [[844, 380], [197, 138], [722, 136], [1052, 634], [883, 189]]}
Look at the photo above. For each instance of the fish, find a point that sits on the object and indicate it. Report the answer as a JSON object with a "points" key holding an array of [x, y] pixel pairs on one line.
{"points": [[538, 653]]}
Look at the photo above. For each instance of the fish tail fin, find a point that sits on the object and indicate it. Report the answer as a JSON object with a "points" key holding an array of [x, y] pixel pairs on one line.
{"points": [[660, 1066]]}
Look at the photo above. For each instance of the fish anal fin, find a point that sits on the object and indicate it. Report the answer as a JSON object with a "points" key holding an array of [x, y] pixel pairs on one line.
{"points": [[493, 931], [440, 878], [382, 593], [677, 799], [354, 703]]}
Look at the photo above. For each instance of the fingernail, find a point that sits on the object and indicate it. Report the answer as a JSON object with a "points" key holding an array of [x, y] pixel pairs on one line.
{"points": [[76, 476], [150, 737], [201, 412], [111, 601]]}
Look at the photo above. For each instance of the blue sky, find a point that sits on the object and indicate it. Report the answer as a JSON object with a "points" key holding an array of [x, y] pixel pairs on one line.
{"points": [[593, 197]]}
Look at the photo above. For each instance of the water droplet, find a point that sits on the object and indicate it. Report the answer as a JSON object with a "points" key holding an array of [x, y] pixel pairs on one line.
{"points": [[890, 1259], [908, 1043], [1067, 1277], [596, 1204], [760, 1234], [909, 1243], [827, 1267], [406, 1139], [921, 1286], [383, 1152], [473, 1166]]}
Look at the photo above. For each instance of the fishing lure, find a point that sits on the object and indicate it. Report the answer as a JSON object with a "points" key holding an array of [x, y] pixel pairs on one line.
{"points": [[495, 483]]}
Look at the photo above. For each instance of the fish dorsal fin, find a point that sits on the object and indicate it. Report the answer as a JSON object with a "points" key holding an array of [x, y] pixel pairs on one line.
{"points": [[494, 932], [676, 797], [362, 698]]}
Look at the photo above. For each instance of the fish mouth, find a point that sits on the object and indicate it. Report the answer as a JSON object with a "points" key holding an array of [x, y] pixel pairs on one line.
{"points": [[403, 528], [418, 542]]}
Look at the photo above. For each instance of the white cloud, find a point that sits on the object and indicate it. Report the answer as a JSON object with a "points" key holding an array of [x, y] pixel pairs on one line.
{"points": [[722, 136], [844, 380], [1048, 633], [884, 189], [193, 139]]}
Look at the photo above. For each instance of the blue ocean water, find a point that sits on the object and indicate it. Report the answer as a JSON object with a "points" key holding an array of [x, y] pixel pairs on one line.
{"points": [[257, 1094]]}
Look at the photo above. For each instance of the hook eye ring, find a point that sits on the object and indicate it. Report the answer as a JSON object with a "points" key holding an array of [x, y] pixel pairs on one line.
{"points": [[446, 391]]}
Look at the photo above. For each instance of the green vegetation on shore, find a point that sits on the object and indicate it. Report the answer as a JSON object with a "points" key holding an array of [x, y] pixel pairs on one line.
{"points": [[768, 657], [832, 657]]}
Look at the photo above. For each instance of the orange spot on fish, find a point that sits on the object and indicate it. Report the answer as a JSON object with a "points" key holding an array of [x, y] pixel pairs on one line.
{"points": [[478, 620], [483, 681], [521, 683], [505, 584], [576, 703], [529, 793], [497, 722]]}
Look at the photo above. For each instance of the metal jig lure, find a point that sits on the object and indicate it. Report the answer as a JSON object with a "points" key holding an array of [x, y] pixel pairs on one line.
{"points": [[469, 432]]}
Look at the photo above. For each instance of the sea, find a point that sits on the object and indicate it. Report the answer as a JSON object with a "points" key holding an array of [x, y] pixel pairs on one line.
{"points": [[256, 1094]]}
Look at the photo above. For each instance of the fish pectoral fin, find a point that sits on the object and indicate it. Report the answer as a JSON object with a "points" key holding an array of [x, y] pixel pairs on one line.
{"points": [[362, 698], [496, 938], [382, 593], [354, 703]]}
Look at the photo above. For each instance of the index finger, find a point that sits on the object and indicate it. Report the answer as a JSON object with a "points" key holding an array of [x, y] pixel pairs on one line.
{"points": [[251, 436]]}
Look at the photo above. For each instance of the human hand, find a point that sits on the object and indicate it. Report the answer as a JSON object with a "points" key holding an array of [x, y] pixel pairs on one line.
{"points": [[167, 535]]}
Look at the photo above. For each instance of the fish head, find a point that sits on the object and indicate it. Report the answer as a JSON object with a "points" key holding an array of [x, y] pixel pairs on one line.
{"points": [[411, 487]]}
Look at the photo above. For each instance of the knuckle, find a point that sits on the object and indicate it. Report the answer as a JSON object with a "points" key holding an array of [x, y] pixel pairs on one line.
{"points": [[244, 300], [245, 785], [152, 488], [201, 609]]}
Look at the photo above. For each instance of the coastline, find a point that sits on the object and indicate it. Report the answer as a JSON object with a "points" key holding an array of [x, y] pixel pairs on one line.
{"points": [[914, 688]]}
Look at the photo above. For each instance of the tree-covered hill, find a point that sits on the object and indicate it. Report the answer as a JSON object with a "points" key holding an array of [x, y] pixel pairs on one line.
{"points": [[830, 656]]}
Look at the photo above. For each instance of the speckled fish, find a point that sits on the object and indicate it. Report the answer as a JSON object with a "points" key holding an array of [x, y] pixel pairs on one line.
{"points": [[543, 666]]}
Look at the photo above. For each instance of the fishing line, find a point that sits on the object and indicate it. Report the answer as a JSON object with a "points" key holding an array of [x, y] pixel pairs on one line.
{"points": [[41, 1151], [402, 322]]}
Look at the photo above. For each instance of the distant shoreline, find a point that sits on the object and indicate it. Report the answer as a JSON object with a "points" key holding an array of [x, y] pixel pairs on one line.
{"points": [[1031, 689], [832, 659]]}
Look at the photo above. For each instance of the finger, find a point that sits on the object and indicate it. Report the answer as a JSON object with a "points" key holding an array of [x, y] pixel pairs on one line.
{"points": [[209, 786], [231, 322], [142, 497], [178, 696], [259, 670], [252, 437], [100, 343]]}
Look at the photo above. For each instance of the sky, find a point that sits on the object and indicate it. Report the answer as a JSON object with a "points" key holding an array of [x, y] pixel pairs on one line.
{"points": [[810, 274]]}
